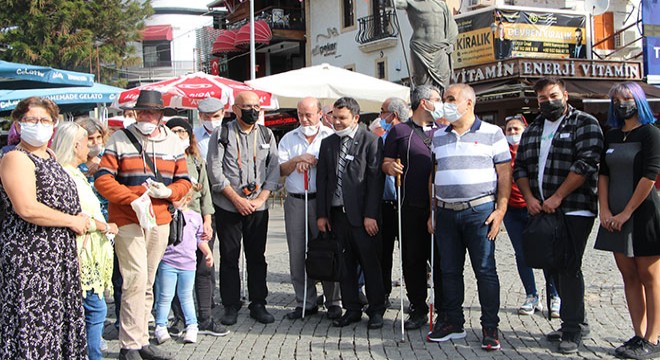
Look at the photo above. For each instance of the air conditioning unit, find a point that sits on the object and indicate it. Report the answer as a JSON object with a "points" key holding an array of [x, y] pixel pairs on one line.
{"points": [[476, 4], [625, 37]]}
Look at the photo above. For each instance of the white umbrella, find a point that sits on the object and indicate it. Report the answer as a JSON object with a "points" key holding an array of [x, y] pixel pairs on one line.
{"points": [[328, 83]]}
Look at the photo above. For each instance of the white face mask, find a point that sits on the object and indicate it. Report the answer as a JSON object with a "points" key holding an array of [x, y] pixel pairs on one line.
{"points": [[185, 144], [438, 112], [95, 150], [310, 130], [344, 132], [451, 112], [513, 139], [128, 122], [36, 135], [146, 128], [211, 124]]}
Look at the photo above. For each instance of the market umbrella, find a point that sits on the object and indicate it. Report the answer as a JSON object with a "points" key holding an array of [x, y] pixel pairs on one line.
{"points": [[15, 76], [69, 99], [185, 92], [328, 83]]}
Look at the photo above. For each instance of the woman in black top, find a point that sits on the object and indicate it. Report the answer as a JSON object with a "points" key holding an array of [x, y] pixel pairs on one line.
{"points": [[630, 212]]}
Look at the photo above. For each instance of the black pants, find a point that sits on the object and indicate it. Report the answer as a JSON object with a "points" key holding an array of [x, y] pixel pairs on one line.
{"points": [[252, 228], [389, 231], [359, 248], [570, 278], [117, 282], [416, 252]]}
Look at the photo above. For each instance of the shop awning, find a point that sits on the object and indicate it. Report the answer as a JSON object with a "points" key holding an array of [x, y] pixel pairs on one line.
{"points": [[225, 43], [157, 33], [597, 89], [262, 33]]}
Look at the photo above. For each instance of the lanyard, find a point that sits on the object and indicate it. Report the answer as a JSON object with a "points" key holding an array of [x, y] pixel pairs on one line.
{"points": [[254, 157]]}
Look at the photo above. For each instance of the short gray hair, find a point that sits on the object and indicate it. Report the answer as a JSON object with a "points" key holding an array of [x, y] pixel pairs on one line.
{"points": [[467, 91], [91, 125], [65, 140], [399, 107], [421, 92]]}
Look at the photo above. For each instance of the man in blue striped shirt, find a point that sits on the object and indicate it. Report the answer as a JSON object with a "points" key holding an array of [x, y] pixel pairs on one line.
{"points": [[472, 187]]}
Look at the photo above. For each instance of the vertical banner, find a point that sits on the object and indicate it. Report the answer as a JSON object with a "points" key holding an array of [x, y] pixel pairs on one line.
{"points": [[651, 24], [502, 34]]}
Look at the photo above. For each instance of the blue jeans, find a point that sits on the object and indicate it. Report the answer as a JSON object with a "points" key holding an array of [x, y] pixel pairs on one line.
{"points": [[515, 221], [95, 312], [457, 231], [169, 280]]}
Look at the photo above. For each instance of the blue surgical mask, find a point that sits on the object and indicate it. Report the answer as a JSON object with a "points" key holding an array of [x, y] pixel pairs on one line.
{"points": [[438, 111], [385, 125]]}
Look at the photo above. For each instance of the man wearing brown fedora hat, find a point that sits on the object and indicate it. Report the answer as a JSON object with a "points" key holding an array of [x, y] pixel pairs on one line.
{"points": [[145, 151]]}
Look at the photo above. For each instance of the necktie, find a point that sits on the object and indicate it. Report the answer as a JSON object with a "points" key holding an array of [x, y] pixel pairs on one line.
{"points": [[341, 164]]}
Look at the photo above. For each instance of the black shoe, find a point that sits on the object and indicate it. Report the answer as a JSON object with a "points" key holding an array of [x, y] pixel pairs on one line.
{"points": [[348, 318], [259, 313], [176, 327], [152, 352], [570, 342], [642, 350], [416, 320], [444, 332], [230, 317], [210, 327], [334, 312], [491, 339], [127, 354], [555, 336], [375, 321], [297, 313], [631, 343]]}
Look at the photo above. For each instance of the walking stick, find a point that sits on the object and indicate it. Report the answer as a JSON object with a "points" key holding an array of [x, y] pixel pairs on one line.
{"points": [[306, 240], [398, 203], [243, 276], [432, 297]]}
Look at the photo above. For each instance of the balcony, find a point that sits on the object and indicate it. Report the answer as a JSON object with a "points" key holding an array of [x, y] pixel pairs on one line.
{"points": [[158, 70], [377, 32]]}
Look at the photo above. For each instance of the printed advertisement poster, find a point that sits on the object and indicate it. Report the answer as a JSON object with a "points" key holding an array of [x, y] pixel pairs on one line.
{"points": [[651, 24], [503, 34]]}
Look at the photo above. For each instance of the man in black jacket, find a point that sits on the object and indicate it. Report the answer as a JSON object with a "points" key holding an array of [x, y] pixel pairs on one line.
{"points": [[349, 190]]}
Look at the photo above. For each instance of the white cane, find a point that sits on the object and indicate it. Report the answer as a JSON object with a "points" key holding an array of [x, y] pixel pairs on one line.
{"points": [[306, 240], [398, 202], [432, 297], [243, 276]]}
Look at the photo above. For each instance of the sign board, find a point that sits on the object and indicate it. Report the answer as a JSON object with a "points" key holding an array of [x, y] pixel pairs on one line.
{"points": [[651, 24], [501, 34]]}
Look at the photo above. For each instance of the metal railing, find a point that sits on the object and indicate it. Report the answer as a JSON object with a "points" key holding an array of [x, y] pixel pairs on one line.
{"points": [[626, 46], [376, 27], [171, 69]]}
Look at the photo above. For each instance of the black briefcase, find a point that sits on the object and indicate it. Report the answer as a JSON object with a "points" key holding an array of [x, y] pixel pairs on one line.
{"points": [[324, 258]]}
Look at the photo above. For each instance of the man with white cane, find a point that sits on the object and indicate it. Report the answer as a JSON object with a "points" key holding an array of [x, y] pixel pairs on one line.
{"points": [[298, 152]]}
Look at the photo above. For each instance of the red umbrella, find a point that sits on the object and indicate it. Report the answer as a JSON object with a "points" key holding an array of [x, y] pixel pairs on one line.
{"points": [[225, 43], [185, 92], [262, 33]]}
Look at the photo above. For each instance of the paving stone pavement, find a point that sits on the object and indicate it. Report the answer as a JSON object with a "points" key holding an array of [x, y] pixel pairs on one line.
{"points": [[522, 337]]}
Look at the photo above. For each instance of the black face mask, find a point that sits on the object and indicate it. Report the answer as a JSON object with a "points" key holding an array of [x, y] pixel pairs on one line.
{"points": [[249, 116], [625, 110], [553, 109]]}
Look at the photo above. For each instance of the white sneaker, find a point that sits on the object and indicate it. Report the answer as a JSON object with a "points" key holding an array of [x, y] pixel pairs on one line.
{"points": [[162, 335], [555, 306], [191, 334], [532, 303]]}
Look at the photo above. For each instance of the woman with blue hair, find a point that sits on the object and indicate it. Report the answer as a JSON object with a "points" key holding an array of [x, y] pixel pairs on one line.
{"points": [[630, 212]]}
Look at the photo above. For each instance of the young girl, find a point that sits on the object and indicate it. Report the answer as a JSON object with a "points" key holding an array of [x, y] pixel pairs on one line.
{"points": [[176, 272]]}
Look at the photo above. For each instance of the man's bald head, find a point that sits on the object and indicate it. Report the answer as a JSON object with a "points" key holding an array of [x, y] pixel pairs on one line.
{"points": [[309, 111]]}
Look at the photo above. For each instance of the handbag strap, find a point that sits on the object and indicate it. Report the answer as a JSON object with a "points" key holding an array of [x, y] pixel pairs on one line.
{"points": [[140, 150]]}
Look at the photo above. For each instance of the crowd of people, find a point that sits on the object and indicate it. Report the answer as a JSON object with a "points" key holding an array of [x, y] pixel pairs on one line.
{"points": [[85, 216]]}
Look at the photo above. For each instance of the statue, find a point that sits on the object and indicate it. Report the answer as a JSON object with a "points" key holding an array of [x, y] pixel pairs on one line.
{"points": [[434, 35]]}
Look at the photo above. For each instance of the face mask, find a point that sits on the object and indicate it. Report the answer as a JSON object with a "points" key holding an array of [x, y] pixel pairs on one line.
{"points": [[513, 139], [344, 132], [95, 150], [625, 110], [128, 122], [385, 125], [310, 130], [438, 112], [553, 109], [185, 144], [451, 112], [211, 124], [249, 116], [36, 135], [146, 128]]}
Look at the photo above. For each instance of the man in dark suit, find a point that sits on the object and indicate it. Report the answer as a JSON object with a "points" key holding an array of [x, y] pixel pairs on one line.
{"points": [[578, 50], [349, 190]]}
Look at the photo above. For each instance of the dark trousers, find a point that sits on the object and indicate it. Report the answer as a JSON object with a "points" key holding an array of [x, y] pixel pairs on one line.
{"points": [[416, 252], [359, 248], [252, 228], [571, 281], [117, 282], [389, 231]]}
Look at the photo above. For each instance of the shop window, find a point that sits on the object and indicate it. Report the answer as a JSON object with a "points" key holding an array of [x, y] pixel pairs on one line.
{"points": [[381, 69], [348, 14], [156, 54]]}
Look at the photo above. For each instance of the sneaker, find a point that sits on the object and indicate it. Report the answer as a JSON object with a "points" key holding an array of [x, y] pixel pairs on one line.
{"points": [[444, 332], [162, 335], [570, 342], [176, 327], [631, 343], [153, 352], [416, 320], [491, 338], [532, 303], [210, 327], [555, 306], [642, 350], [191, 334]]}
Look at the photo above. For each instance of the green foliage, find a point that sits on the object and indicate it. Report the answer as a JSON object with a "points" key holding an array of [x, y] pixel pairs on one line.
{"points": [[68, 34]]}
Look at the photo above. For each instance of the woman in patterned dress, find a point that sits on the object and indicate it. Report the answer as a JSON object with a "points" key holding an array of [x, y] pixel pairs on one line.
{"points": [[41, 313]]}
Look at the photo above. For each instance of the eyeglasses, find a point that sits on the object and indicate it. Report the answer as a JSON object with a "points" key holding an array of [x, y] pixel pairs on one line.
{"points": [[35, 120], [248, 106], [180, 131]]}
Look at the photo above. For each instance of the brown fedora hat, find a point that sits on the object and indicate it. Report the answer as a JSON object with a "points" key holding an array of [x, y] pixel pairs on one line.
{"points": [[151, 100]]}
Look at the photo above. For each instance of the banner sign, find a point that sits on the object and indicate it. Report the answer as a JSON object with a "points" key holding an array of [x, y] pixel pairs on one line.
{"points": [[651, 24], [503, 34]]}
